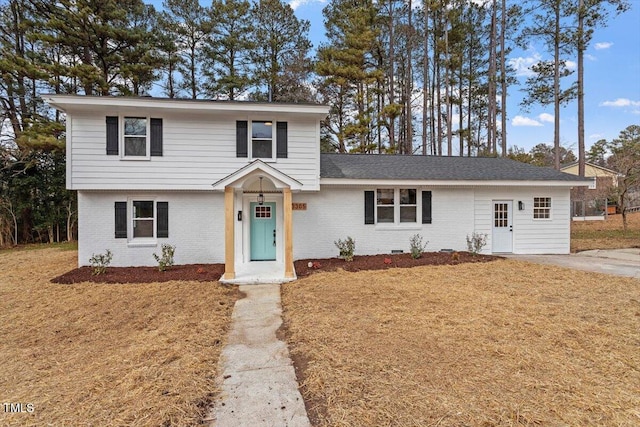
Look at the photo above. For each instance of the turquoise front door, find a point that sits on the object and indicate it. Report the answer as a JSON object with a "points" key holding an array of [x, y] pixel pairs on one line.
{"points": [[263, 231]]}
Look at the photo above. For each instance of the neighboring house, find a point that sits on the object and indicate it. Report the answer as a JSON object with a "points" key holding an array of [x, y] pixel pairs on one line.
{"points": [[607, 176], [591, 203], [245, 184]]}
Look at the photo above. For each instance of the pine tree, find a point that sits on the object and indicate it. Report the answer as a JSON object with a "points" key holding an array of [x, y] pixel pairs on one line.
{"points": [[227, 56], [280, 54]]}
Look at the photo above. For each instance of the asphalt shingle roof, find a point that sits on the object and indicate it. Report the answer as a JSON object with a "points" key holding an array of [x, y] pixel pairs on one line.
{"points": [[376, 166]]}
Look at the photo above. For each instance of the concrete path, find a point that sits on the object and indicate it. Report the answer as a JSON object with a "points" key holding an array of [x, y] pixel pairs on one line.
{"points": [[258, 381], [619, 262]]}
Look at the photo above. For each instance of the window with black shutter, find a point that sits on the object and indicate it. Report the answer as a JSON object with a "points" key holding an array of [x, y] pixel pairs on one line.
{"points": [[241, 138], [121, 220], [426, 207], [369, 207], [112, 135], [281, 140], [156, 137], [162, 209]]}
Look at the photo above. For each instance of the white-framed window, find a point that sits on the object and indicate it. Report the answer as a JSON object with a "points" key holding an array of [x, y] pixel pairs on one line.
{"points": [[396, 205], [263, 139], [541, 207], [385, 205], [143, 219], [135, 137]]}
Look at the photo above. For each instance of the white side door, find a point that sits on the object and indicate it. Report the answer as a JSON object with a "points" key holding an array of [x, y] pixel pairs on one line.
{"points": [[502, 233]]}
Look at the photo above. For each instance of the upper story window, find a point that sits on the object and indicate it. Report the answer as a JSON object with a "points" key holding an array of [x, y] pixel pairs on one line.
{"points": [[135, 136], [261, 139], [541, 207]]}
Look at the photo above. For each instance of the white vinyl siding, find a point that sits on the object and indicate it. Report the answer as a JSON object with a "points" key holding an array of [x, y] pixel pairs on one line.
{"points": [[530, 236], [198, 150]]}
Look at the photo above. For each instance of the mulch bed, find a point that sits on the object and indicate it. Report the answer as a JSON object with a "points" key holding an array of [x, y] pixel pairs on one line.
{"points": [[386, 261], [187, 272], [212, 272]]}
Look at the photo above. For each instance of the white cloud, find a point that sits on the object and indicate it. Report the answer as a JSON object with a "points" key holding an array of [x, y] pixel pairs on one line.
{"points": [[571, 65], [590, 57], [546, 117], [620, 102], [602, 45], [596, 136], [522, 64], [297, 3], [524, 121]]}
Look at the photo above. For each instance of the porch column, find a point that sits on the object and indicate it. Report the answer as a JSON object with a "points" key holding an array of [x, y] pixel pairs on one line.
{"points": [[288, 233], [229, 238]]}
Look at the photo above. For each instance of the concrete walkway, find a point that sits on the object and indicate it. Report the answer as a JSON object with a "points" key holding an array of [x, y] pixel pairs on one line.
{"points": [[618, 262], [258, 381]]}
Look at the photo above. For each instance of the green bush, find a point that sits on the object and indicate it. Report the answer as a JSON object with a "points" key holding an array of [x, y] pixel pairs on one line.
{"points": [[417, 246], [346, 248], [100, 262], [166, 259]]}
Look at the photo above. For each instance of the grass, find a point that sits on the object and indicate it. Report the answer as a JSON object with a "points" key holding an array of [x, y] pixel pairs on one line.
{"points": [[607, 234], [108, 355], [505, 343]]}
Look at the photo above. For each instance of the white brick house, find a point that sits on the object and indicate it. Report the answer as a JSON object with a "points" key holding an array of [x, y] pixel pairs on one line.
{"points": [[245, 184]]}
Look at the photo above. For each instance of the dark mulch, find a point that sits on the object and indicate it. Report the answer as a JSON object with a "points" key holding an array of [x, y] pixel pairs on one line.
{"points": [[194, 272], [383, 262], [212, 272]]}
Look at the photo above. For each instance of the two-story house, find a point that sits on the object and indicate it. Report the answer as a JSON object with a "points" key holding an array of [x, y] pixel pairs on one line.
{"points": [[245, 184]]}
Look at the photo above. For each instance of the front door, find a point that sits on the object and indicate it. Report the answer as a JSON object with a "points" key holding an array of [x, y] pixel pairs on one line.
{"points": [[263, 231], [502, 236]]}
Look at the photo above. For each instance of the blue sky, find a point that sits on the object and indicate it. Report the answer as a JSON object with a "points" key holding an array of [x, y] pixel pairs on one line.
{"points": [[612, 82]]}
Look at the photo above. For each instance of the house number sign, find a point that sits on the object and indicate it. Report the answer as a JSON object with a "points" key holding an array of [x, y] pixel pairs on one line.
{"points": [[299, 206]]}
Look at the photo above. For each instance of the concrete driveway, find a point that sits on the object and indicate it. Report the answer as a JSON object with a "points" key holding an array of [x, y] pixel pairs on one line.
{"points": [[619, 262]]}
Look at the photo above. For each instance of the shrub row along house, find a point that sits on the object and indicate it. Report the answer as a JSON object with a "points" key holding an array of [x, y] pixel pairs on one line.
{"points": [[245, 184]]}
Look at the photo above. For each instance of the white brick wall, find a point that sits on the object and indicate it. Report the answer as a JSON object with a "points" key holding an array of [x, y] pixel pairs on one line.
{"points": [[196, 227], [335, 213]]}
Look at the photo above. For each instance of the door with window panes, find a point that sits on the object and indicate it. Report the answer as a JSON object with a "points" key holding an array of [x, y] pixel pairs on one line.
{"points": [[502, 230]]}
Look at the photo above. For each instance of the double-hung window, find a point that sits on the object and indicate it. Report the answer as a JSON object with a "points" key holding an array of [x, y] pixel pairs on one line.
{"points": [[143, 218], [135, 137], [396, 205], [385, 205], [261, 139]]}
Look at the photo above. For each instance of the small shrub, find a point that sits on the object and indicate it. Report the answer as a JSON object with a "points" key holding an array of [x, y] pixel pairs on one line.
{"points": [[476, 242], [455, 256], [346, 248], [100, 262], [387, 261], [417, 246], [166, 259]]}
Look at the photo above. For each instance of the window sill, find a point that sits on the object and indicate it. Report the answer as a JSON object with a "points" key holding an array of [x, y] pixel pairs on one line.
{"points": [[402, 226], [140, 243], [133, 158]]}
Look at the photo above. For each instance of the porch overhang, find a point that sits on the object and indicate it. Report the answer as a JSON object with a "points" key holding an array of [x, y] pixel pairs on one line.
{"points": [[257, 167]]}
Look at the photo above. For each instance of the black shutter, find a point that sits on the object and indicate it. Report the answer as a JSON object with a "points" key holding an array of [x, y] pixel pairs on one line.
{"points": [[121, 220], [426, 207], [281, 140], [112, 135], [241, 138], [162, 209], [369, 207], [156, 137]]}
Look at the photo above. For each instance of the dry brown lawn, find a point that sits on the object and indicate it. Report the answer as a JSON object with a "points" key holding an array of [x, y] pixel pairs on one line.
{"points": [[607, 234], [505, 343], [106, 355]]}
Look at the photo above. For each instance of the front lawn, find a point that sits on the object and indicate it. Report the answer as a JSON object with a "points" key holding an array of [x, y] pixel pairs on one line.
{"points": [[104, 354], [493, 344]]}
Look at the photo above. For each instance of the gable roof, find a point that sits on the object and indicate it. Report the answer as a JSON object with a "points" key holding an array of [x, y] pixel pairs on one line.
{"points": [[593, 165], [436, 168]]}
